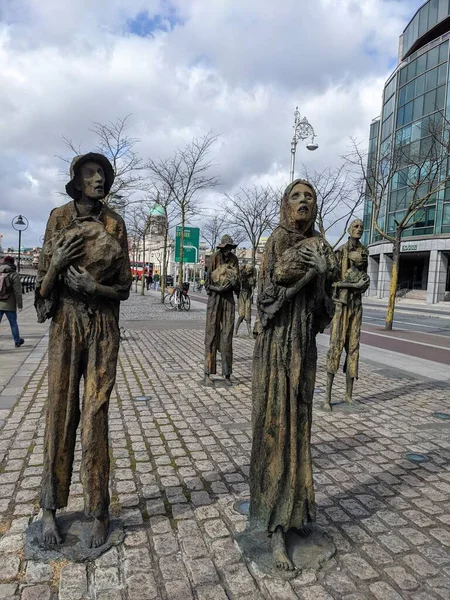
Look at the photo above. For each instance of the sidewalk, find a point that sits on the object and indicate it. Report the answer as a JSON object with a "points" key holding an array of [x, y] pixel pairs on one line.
{"points": [[181, 460], [419, 306]]}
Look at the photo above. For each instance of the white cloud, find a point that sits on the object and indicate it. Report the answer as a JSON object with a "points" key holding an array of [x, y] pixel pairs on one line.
{"points": [[236, 68]]}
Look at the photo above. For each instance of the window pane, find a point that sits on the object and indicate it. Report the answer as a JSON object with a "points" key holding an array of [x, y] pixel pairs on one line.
{"points": [[400, 116], [440, 97], [418, 108], [420, 85], [429, 104], [442, 74], [431, 80], [423, 19], [433, 57], [409, 91], [403, 74], [401, 96], [411, 68], [443, 52], [421, 64], [442, 9], [416, 131], [407, 117], [446, 215], [432, 13]]}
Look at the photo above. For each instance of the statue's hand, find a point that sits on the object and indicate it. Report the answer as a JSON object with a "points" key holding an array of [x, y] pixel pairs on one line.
{"points": [[81, 282], [65, 251], [315, 260]]}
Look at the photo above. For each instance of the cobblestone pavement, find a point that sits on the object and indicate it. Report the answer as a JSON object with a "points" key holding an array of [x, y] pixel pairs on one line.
{"points": [[180, 461]]}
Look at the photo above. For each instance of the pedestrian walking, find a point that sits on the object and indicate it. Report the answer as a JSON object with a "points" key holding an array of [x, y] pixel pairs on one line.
{"points": [[11, 297], [149, 281], [155, 281]]}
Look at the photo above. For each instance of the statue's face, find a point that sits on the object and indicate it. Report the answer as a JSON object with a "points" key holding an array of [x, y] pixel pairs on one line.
{"points": [[302, 203], [91, 180], [356, 229], [227, 250]]}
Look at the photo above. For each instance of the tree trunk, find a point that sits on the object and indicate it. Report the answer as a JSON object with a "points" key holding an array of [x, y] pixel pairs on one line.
{"points": [[143, 268], [181, 265], [394, 281], [253, 256], [164, 264]]}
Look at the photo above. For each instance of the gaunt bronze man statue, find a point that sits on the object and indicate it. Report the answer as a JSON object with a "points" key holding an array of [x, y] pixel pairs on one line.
{"points": [[352, 259], [221, 283], [83, 274], [247, 282], [294, 304]]}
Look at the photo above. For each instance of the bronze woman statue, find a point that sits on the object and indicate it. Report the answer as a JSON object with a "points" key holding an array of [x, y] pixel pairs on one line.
{"points": [[294, 304], [247, 280], [352, 258]]}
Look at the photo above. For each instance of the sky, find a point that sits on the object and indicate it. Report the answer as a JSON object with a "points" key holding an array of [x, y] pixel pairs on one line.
{"points": [[182, 68]]}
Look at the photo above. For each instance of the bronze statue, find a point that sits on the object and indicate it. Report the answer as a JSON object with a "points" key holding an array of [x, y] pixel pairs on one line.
{"points": [[83, 274], [247, 282], [352, 259], [294, 304], [221, 284]]}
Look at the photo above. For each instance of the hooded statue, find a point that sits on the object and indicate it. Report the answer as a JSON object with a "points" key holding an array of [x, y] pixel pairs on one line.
{"points": [[294, 303]]}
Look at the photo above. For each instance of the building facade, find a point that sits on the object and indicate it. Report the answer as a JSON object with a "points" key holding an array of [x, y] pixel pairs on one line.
{"points": [[416, 95]]}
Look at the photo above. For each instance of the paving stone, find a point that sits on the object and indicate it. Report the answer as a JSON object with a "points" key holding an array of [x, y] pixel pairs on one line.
{"points": [[11, 543], [216, 528], [238, 580], [358, 567], [73, 582], [402, 578], [8, 590], [383, 591], [106, 578], [38, 572], [141, 586], [316, 592], [9, 566], [37, 592], [201, 570], [178, 590], [211, 592], [281, 590]]}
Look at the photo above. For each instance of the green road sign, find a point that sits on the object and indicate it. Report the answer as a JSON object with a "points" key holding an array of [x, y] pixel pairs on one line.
{"points": [[191, 244]]}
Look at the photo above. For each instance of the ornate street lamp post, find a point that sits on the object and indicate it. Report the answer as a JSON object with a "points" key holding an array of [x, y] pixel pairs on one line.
{"points": [[302, 131], [19, 223]]}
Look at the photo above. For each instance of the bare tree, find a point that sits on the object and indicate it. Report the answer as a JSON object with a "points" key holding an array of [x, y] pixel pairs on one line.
{"points": [[213, 228], [253, 212], [416, 172], [185, 174], [163, 196], [339, 195], [120, 148]]}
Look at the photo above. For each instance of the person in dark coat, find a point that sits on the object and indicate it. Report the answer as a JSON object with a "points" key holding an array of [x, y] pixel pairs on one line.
{"points": [[11, 299]]}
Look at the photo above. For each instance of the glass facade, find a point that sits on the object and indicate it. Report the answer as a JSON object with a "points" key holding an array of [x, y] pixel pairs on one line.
{"points": [[415, 100], [426, 18]]}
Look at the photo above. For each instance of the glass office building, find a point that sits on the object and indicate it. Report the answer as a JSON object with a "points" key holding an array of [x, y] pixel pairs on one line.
{"points": [[417, 93]]}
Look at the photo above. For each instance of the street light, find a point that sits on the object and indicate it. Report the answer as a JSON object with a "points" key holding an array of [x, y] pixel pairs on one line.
{"points": [[302, 131], [19, 223]]}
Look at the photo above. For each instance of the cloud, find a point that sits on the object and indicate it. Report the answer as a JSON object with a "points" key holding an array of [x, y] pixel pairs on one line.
{"points": [[182, 69]]}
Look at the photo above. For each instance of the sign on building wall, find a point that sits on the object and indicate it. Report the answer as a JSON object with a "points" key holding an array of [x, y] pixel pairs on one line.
{"points": [[191, 244]]}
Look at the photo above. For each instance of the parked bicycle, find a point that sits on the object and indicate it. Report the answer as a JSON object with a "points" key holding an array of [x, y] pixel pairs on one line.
{"points": [[179, 298]]}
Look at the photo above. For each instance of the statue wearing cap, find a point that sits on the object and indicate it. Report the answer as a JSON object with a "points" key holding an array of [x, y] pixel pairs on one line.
{"points": [[83, 274], [221, 283]]}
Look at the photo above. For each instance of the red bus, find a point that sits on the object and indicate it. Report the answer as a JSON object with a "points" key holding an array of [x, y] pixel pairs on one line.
{"points": [[137, 268]]}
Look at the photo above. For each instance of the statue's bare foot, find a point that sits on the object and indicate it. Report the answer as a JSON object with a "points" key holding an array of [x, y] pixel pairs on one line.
{"points": [[227, 380], [99, 531], [280, 557], [208, 381], [326, 406], [50, 532]]}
